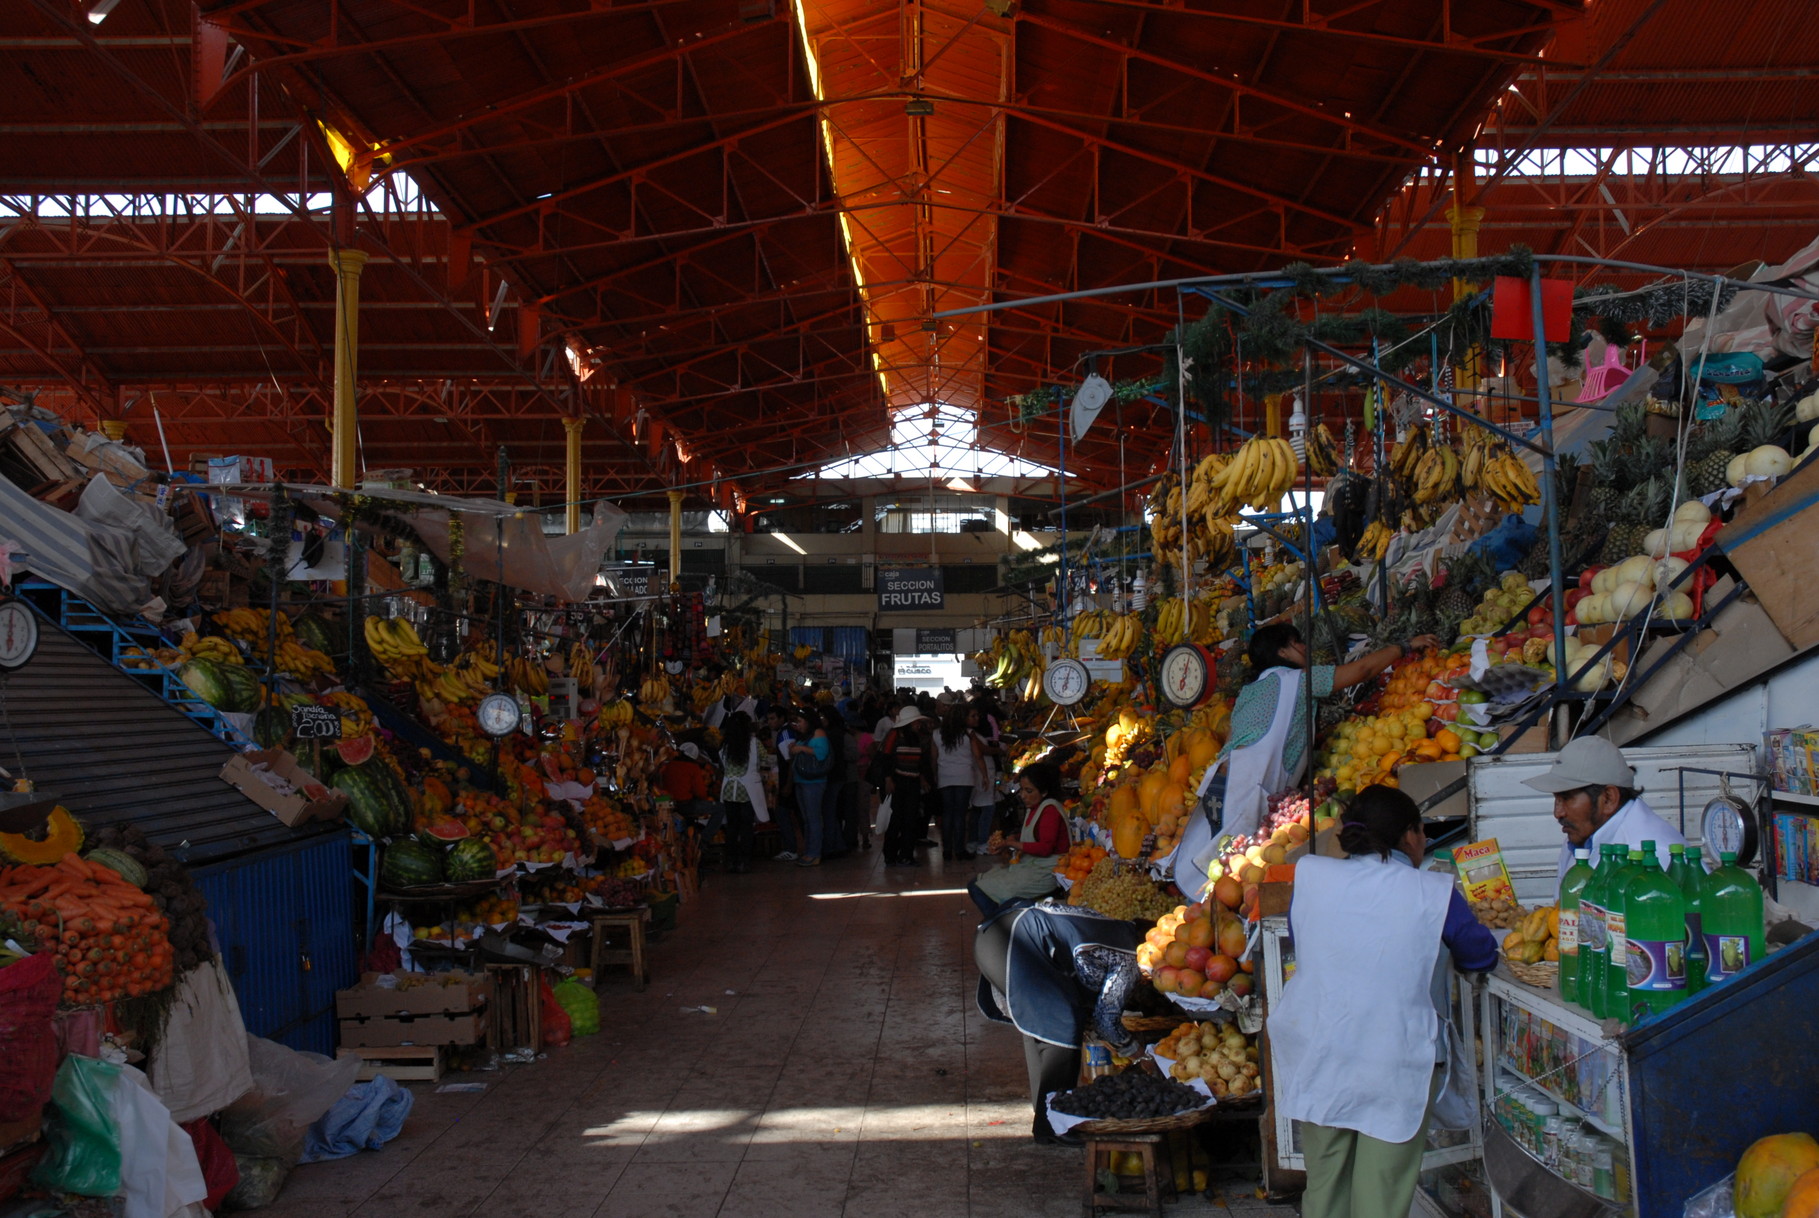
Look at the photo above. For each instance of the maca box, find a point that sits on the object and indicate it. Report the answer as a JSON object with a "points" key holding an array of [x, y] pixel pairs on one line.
{"points": [[311, 801], [414, 1009]]}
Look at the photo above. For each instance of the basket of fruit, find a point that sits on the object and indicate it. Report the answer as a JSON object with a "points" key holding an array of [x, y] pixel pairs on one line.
{"points": [[1531, 949], [1133, 1102], [1217, 1054]]}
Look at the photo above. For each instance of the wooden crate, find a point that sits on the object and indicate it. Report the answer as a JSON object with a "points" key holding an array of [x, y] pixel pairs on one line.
{"points": [[405, 1063], [517, 1008]]}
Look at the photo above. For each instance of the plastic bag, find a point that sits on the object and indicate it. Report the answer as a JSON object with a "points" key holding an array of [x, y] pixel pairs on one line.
{"points": [[1714, 1202], [261, 1180], [290, 1090], [28, 999], [84, 1154], [556, 1028], [582, 1005], [216, 1160]]}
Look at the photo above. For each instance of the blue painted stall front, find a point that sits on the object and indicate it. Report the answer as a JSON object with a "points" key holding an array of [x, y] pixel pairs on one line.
{"points": [[285, 921]]}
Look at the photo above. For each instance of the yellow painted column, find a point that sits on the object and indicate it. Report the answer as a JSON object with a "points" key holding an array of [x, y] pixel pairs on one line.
{"points": [[344, 463], [573, 487], [675, 537], [1465, 222]]}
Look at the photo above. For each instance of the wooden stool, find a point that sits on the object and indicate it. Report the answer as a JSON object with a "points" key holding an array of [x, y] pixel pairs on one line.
{"points": [[1158, 1173], [632, 923]]}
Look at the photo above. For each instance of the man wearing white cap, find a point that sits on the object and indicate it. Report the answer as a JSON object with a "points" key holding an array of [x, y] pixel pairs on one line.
{"points": [[1596, 802]]}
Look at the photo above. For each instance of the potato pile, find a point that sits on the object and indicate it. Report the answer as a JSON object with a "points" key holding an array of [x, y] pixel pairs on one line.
{"points": [[1219, 1054], [1499, 913]]}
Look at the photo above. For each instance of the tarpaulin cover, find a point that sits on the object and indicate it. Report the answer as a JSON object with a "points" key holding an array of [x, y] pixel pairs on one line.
{"points": [[563, 567], [105, 552], [366, 1118]]}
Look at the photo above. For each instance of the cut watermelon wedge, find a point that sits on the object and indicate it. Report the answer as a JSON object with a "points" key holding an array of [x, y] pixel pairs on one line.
{"points": [[356, 750], [442, 830]]}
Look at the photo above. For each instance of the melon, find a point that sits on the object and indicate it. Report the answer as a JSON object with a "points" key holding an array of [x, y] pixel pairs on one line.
{"points": [[1693, 512], [1768, 1170], [271, 727], [1767, 461], [442, 831], [121, 864], [470, 859]]}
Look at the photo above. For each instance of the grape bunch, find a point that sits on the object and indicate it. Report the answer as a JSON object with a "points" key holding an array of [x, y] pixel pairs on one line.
{"points": [[1129, 895], [616, 892], [1132, 1096]]}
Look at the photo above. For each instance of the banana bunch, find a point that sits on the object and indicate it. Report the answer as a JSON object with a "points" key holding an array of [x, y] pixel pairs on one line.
{"points": [[1375, 542], [1218, 542], [1018, 659], [1437, 474], [617, 713], [1479, 449], [1259, 475], [1123, 635], [251, 625], [1195, 615], [214, 647], [393, 641], [1092, 624], [525, 676], [1407, 453], [581, 666], [1201, 493], [468, 679], [356, 716], [1322, 451], [1509, 480], [1164, 511], [802, 652], [654, 691], [302, 662], [1053, 636]]}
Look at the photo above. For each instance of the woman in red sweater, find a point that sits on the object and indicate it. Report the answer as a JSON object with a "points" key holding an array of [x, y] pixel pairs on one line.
{"points": [[1043, 839]]}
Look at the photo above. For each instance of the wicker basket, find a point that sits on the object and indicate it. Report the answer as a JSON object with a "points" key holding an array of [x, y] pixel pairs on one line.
{"points": [[1543, 976], [1151, 1023], [1162, 1124]]}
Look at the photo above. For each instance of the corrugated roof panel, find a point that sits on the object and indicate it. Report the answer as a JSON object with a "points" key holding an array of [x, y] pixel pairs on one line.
{"points": [[115, 753]]}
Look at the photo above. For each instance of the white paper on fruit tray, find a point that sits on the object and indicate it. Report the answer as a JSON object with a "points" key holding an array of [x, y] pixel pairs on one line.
{"points": [[623, 844], [1061, 1122], [560, 931], [568, 790], [1066, 882]]}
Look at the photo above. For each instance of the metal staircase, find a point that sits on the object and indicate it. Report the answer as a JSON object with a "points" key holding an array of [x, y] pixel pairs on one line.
{"points": [[110, 639]]}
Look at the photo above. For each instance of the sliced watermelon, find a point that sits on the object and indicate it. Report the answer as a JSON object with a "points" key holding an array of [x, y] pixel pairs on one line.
{"points": [[442, 830], [356, 750]]}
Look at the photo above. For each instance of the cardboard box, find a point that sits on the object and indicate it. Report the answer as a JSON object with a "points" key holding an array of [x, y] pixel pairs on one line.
{"points": [[384, 1031], [292, 809], [415, 994], [1774, 544], [1438, 786], [1532, 739], [1598, 636]]}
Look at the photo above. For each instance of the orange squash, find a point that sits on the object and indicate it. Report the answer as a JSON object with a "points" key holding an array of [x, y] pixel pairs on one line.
{"points": [[61, 836]]}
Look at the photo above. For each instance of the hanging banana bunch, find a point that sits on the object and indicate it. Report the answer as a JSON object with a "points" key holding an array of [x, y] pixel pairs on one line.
{"points": [[1122, 636], [1375, 542], [1510, 481], [1437, 475], [1322, 451], [1261, 472]]}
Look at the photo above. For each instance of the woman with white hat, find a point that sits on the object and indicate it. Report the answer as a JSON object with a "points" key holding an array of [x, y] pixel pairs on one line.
{"points": [[908, 776]]}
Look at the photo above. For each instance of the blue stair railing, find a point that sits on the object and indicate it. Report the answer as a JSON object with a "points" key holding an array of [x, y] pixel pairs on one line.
{"points": [[117, 641]]}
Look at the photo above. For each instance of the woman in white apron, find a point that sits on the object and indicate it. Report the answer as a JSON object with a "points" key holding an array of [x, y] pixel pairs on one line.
{"points": [[741, 790], [1043, 838], [1268, 747], [1368, 932]]}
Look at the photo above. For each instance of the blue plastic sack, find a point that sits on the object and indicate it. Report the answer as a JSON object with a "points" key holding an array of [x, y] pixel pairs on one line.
{"points": [[366, 1118], [1508, 543]]}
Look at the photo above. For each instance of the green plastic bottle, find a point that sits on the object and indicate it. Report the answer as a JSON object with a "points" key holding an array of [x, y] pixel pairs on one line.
{"points": [[1730, 908], [1692, 886], [1655, 952], [1594, 932], [1572, 885], [1616, 921]]}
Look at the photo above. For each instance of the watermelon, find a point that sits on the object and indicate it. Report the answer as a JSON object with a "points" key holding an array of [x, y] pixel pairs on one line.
{"points": [[356, 750], [315, 631], [207, 679], [410, 864], [471, 859], [374, 801], [271, 727], [442, 831], [120, 863]]}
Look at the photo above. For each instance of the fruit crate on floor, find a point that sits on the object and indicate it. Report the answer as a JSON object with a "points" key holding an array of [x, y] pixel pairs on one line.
{"points": [[517, 1021], [405, 1063]]}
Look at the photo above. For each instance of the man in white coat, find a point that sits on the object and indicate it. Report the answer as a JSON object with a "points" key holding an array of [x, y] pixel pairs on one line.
{"points": [[1596, 802]]}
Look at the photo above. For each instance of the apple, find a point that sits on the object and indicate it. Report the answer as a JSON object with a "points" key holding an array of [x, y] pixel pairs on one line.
{"points": [[1197, 958], [1537, 615], [1220, 969]]}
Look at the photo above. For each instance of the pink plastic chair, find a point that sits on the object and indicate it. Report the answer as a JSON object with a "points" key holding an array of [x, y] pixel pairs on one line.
{"points": [[1607, 376]]}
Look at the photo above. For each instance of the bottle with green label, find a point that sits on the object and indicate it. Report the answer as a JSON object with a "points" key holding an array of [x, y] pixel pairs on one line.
{"points": [[1730, 910], [1688, 870], [1655, 918], [1572, 885], [1616, 921], [1594, 933]]}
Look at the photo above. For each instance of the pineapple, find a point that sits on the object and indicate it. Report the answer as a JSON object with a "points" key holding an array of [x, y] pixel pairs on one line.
{"points": [[1709, 449], [1643, 509], [1763, 422], [1460, 596], [1609, 473]]}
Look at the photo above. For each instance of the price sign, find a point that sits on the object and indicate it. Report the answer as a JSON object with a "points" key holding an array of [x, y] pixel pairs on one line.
{"points": [[315, 723]]}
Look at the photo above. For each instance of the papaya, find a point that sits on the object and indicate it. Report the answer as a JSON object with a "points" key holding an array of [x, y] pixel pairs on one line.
{"points": [[1768, 1171], [1149, 790], [1803, 1199], [1128, 831]]}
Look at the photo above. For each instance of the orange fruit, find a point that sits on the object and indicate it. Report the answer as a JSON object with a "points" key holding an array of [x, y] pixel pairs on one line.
{"points": [[1448, 740]]}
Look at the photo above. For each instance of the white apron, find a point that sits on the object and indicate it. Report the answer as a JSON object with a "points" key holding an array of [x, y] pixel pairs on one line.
{"points": [[753, 782], [1355, 1034], [1031, 875], [1255, 772]]}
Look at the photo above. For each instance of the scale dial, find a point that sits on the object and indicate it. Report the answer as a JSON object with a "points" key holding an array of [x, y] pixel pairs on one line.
{"points": [[1728, 826], [1186, 675], [1065, 682], [498, 714], [18, 634]]}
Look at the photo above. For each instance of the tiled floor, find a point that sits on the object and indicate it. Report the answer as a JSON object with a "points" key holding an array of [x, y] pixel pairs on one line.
{"points": [[844, 1071]]}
